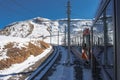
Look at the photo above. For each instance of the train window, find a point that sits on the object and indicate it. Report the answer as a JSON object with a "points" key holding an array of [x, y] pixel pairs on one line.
{"points": [[103, 37], [98, 37], [109, 23], [103, 31]]}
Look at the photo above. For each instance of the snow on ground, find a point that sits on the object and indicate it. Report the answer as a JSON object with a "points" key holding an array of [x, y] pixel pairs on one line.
{"points": [[6, 39], [39, 30], [17, 68], [63, 72], [20, 42], [20, 30], [3, 54]]}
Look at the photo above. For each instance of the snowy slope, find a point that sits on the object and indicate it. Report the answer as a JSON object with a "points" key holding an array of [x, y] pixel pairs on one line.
{"points": [[15, 52], [21, 36], [5, 40], [43, 28]]}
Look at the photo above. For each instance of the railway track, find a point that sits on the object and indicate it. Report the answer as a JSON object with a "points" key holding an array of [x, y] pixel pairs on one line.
{"points": [[41, 71]]}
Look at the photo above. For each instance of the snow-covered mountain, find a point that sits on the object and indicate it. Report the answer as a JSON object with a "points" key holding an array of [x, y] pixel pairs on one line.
{"points": [[22, 43], [43, 28]]}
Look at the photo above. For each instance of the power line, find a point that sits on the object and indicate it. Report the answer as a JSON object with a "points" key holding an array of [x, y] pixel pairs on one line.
{"points": [[9, 9], [23, 8]]}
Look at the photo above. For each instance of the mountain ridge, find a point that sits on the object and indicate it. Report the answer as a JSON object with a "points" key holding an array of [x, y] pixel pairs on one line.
{"points": [[33, 27]]}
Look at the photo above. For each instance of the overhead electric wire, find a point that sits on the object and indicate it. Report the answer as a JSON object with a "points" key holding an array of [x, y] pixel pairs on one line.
{"points": [[10, 9], [22, 7], [13, 10]]}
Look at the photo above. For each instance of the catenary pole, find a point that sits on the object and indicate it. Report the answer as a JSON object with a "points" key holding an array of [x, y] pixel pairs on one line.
{"points": [[68, 23]]}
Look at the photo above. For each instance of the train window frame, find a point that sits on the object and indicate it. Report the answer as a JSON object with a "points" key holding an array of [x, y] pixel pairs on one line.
{"points": [[103, 16]]}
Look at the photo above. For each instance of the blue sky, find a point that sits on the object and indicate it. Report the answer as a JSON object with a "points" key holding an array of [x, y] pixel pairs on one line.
{"points": [[18, 10]]}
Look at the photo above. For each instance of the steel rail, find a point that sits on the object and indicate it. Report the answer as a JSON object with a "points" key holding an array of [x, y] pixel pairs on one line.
{"points": [[40, 71]]}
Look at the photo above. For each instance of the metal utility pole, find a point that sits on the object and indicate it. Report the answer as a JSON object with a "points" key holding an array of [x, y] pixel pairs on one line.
{"points": [[91, 55], [65, 36], [58, 37], [51, 36], [80, 40], [105, 39], [68, 22]]}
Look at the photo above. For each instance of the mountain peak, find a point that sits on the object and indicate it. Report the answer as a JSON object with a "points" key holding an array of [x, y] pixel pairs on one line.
{"points": [[41, 19]]}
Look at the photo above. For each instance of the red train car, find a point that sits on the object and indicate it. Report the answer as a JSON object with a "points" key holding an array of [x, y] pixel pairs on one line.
{"points": [[86, 45]]}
